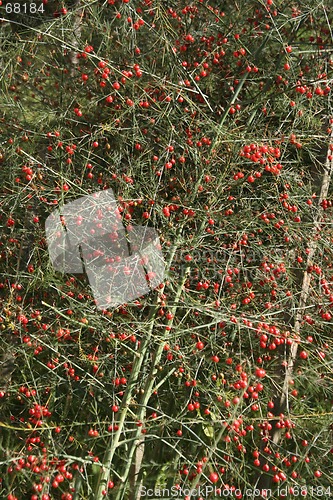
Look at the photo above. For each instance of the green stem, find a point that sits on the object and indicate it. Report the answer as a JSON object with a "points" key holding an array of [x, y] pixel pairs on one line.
{"points": [[124, 407], [147, 393]]}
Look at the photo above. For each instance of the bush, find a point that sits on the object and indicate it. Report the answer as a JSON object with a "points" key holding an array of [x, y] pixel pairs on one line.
{"points": [[212, 123]]}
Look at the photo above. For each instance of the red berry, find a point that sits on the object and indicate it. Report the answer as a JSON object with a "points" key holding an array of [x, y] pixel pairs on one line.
{"points": [[213, 477], [260, 372]]}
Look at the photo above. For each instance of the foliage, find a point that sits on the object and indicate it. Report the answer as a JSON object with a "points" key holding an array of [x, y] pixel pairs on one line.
{"points": [[211, 121]]}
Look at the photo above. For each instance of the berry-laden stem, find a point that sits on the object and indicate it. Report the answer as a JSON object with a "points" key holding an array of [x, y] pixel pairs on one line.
{"points": [[282, 400], [220, 129]]}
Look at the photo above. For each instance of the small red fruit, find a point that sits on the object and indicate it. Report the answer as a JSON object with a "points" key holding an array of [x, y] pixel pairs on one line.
{"points": [[213, 477]]}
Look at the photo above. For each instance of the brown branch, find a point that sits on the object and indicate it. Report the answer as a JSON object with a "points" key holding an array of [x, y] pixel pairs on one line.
{"points": [[76, 35]]}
